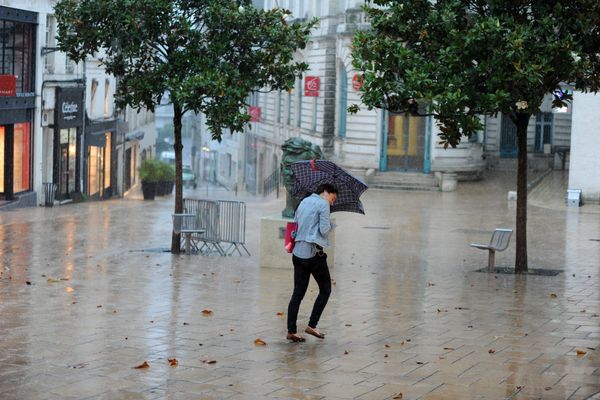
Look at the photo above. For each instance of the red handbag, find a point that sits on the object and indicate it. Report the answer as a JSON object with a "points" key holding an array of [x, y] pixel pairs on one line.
{"points": [[290, 236]]}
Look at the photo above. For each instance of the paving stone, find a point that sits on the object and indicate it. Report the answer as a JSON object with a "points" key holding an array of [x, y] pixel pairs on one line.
{"points": [[407, 314]]}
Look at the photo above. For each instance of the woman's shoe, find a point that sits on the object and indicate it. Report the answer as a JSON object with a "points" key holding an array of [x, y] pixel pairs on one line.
{"points": [[314, 332], [295, 338]]}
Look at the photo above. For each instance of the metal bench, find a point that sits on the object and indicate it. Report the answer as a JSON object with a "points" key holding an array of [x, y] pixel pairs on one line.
{"points": [[187, 225], [498, 242]]}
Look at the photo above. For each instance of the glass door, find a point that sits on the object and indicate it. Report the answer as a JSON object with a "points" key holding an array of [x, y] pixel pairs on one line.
{"points": [[405, 144]]}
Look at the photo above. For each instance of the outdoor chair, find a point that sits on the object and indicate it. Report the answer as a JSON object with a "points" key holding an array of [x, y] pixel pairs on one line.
{"points": [[498, 242]]}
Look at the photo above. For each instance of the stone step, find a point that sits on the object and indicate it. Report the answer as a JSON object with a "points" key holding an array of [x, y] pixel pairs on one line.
{"points": [[403, 181]]}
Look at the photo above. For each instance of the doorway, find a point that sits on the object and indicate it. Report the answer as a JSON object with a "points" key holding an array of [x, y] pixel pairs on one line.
{"points": [[405, 143]]}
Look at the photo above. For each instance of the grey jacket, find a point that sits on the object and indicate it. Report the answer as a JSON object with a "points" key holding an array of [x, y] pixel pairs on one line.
{"points": [[312, 216]]}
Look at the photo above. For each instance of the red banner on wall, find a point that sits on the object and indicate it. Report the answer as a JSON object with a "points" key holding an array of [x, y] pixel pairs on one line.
{"points": [[254, 113], [357, 81], [311, 86], [8, 85]]}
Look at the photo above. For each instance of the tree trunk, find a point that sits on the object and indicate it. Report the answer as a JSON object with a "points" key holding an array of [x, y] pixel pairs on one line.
{"points": [[521, 254], [178, 147]]}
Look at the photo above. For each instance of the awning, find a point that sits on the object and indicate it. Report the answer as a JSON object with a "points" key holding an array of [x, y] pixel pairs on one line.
{"points": [[136, 135]]}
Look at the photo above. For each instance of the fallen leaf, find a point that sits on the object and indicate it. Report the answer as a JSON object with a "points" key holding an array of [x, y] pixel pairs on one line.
{"points": [[52, 280], [207, 312], [260, 342], [430, 284], [420, 362], [408, 340], [520, 387], [549, 387], [143, 365], [27, 282], [385, 355], [402, 342], [348, 325], [209, 362], [172, 362], [491, 351], [99, 306], [280, 313], [397, 396], [345, 351], [553, 295], [449, 348], [185, 323], [581, 353], [461, 308], [387, 345], [582, 311]]}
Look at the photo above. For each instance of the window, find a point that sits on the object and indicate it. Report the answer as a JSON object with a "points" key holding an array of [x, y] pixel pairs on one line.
{"points": [[106, 98], [279, 97], [16, 53], [21, 153], [69, 65], [299, 103], [288, 119], [343, 102], [543, 130], [49, 58]]}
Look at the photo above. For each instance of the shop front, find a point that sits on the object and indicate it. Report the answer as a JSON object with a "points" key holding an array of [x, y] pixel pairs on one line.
{"points": [[100, 147], [67, 141], [17, 101]]}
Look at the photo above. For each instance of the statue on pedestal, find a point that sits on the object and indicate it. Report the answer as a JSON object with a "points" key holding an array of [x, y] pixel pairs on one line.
{"points": [[295, 149]]}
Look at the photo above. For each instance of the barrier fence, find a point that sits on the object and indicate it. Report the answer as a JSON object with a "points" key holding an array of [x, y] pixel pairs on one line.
{"points": [[224, 223]]}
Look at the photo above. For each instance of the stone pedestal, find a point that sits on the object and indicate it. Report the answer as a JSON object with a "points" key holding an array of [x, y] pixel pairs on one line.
{"points": [[449, 182], [272, 252]]}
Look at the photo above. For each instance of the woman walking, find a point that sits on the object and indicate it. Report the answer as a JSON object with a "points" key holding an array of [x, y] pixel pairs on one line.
{"points": [[309, 258]]}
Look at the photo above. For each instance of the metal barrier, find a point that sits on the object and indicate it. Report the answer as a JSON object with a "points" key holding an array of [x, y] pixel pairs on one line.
{"points": [[232, 225], [224, 222], [49, 193]]}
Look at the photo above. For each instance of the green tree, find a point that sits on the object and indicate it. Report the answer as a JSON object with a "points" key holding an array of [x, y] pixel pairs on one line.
{"points": [[459, 59], [207, 55]]}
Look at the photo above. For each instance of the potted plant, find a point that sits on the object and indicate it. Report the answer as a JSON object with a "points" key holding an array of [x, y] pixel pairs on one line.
{"points": [[166, 178], [149, 175]]}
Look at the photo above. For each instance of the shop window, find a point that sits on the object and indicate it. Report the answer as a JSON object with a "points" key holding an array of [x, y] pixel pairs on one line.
{"points": [[1, 159], [67, 156], [21, 156]]}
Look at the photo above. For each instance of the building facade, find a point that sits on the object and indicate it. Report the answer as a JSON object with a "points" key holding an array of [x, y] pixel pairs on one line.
{"points": [[19, 86]]}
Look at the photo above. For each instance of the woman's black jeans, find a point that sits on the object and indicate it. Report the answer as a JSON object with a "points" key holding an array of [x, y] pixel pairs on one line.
{"points": [[303, 268]]}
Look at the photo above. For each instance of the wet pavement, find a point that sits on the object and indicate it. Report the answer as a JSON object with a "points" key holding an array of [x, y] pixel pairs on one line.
{"points": [[81, 305]]}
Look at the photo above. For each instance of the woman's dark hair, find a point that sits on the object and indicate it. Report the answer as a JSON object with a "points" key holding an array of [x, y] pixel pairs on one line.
{"points": [[326, 187]]}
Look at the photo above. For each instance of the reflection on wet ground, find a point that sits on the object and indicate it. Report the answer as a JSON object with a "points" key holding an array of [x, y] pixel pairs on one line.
{"points": [[80, 308]]}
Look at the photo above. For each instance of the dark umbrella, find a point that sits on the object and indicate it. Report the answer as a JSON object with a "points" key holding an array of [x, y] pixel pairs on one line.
{"points": [[309, 174]]}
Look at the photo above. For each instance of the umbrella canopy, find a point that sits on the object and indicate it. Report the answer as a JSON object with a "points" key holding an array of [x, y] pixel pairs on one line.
{"points": [[309, 174]]}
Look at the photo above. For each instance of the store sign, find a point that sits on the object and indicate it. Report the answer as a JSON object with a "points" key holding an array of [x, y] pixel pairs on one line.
{"points": [[357, 81], [8, 85], [311, 86], [254, 113], [69, 107]]}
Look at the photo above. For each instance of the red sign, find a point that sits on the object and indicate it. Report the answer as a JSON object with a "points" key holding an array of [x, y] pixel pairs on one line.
{"points": [[357, 81], [311, 86], [254, 113], [8, 85]]}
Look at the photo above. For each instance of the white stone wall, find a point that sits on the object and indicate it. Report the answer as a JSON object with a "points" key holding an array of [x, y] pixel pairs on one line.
{"points": [[584, 160]]}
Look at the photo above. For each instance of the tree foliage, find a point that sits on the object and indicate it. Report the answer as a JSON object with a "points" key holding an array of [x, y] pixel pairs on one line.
{"points": [[208, 55], [459, 59]]}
